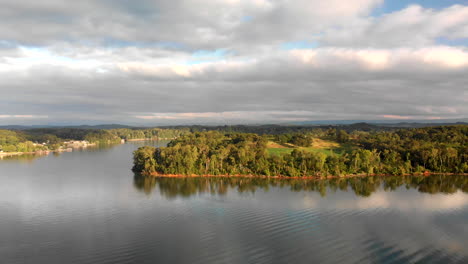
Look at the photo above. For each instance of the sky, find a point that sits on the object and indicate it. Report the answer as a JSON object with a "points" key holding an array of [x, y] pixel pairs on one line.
{"points": [[166, 62]]}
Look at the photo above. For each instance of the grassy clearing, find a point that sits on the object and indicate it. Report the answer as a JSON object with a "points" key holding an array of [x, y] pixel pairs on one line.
{"points": [[324, 144], [326, 147], [279, 151], [274, 145]]}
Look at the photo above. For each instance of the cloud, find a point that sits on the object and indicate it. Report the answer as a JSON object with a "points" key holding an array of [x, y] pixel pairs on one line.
{"points": [[231, 117], [421, 202], [322, 83], [178, 61], [396, 117], [23, 116], [190, 22], [413, 26]]}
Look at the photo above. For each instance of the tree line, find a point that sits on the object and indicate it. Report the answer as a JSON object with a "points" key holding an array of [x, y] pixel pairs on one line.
{"points": [[50, 139], [148, 133], [404, 151], [41, 139]]}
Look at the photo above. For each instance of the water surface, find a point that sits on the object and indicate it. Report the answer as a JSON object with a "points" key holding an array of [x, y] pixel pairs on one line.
{"points": [[88, 207]]}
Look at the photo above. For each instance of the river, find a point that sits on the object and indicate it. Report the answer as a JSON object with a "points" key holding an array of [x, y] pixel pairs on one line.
{"points": [[88, 207]]}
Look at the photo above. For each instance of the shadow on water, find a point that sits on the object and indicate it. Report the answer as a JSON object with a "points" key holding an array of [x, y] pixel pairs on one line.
{"points": [[361, 186], [25, 158]]}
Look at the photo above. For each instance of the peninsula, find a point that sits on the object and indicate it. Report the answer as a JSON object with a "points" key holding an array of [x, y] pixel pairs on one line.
{"points": [[313, 153]]}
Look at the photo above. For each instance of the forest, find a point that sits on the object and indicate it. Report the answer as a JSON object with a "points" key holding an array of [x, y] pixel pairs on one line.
{"points": [[50, 139], [148, 133], [12, 141], [442, 149]]}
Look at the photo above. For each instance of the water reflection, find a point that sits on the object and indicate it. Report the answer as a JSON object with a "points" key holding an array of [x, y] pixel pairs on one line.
{"points": [[24, 158], [364, 187], [83, 207]]}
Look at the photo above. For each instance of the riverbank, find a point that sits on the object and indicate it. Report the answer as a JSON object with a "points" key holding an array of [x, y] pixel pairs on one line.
{"points": [[147, 139], [8, 154], [79, 144], [39, 152], [296, 177], [43, 152]]}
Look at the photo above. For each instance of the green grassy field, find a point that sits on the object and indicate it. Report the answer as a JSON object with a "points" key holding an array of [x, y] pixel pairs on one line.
{"points": [[279, 151], [325, 147]]}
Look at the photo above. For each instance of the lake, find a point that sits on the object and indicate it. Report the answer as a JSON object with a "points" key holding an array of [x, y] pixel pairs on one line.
{"points": [[88, 207]]}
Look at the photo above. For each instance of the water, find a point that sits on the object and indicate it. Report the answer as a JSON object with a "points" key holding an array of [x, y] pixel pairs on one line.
{"points": [[88, 207]]}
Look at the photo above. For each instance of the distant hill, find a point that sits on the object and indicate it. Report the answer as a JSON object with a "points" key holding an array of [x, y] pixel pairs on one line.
{"points": [[419, 125], [387, 122], [104, 126], [348, 125], [19, 127]]}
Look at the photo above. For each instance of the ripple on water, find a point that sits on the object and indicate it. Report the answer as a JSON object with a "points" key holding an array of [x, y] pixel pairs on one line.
{"points": [[98, 214]]}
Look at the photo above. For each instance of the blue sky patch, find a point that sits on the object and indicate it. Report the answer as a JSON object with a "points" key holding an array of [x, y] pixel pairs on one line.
{"points": [[452, 42], [390, 6], [203, 56], [299, 45], [247, 18]]}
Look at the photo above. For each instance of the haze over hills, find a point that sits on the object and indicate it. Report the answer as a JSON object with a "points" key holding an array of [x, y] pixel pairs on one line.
{"points": [[380, 123], [389, 123], [385, 121]]}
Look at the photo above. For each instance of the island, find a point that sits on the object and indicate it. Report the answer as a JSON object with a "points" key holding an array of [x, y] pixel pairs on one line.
{"points": [[314, 153]]}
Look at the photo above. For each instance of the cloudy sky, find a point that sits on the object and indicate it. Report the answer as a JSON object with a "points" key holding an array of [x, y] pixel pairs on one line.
{"points": [[232, 61]]}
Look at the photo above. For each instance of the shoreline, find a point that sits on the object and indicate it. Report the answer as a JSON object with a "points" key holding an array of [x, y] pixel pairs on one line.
{"points": [[157, 175], [39, 152], [70, 147], [148, 139], [12, 154], [8, 154], [139, 139]]}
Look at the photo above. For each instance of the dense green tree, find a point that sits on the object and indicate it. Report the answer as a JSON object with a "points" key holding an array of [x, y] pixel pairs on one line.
{"points": [[441, 149]]}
